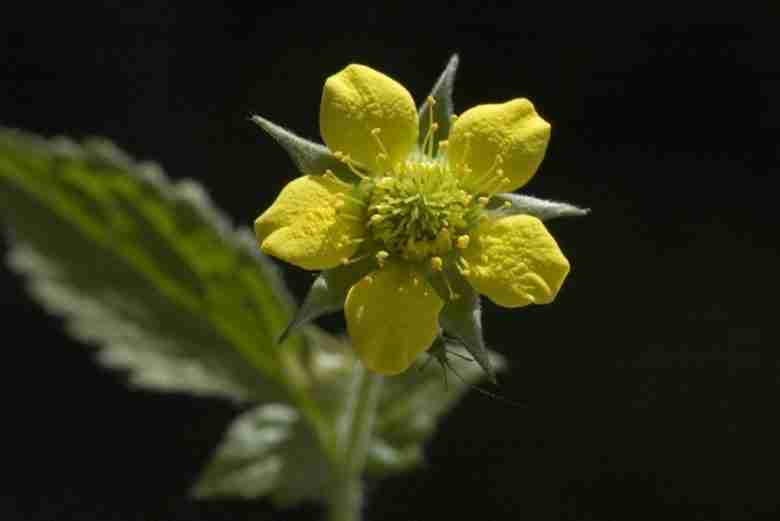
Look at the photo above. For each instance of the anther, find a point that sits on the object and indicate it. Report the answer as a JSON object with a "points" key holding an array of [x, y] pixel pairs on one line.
{"points": [[375, 132], [436, 263], [381, 258], [330, 176], [463, 242], [376, 219], [483, 201], [463, 267]]}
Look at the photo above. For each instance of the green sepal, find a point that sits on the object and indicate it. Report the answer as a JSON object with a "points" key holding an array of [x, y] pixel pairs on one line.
{"points": [[328, 293], [442, 109], [461, 316], [528, 205], [310, 158]]}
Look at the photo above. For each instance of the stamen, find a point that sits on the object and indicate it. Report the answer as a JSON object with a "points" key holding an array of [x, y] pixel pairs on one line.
{"points": [[381, 258], [432, 127], [346, 262], [436, 263], [463, 164], [453, 295], [351, 163], [354, 200], [483, 201], [463, 266], [488, 177], [330, 176], [462, 242]]}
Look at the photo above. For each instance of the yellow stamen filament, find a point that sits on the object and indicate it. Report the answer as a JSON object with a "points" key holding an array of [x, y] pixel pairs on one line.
{"points": [[432, 127], [345, 261], [382, 156], [351, 163], [453, 295], [330, 176], [489, 177]]}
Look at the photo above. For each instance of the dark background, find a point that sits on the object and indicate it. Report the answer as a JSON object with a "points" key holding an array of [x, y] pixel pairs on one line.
{"points": [[652, 385]]}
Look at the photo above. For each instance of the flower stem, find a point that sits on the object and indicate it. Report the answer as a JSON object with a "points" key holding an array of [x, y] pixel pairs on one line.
{"points": [[354, 434]]}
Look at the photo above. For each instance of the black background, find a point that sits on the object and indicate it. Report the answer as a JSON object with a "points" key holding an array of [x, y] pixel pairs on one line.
{"points": [[651, 385]]}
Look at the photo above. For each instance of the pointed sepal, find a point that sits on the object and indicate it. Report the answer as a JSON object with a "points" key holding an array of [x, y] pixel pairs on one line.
{"points": [[542, 209], [443, 108], [461, 316], [309, 158], [328, 293]]}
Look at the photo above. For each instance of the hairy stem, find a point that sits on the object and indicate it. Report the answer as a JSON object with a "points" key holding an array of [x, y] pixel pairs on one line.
{"points": [[355, 428]]}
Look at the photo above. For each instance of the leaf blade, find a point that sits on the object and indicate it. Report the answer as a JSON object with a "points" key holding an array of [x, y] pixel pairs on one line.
{"points": [[146, 268]]}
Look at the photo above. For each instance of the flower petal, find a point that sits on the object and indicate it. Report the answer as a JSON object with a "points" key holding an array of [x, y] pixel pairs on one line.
{"points": [[391, 319], [304, 227], [514, 261], [512, 130], [359, 99]]}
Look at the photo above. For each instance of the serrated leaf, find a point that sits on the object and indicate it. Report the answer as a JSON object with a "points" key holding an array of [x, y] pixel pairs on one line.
{"points": [[443, 108], [267, 451], [412, 405], [145, 268], [539, 208]]}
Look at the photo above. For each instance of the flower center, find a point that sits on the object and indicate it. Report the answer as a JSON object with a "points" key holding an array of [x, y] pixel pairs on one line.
{"points": [[420, 210]]}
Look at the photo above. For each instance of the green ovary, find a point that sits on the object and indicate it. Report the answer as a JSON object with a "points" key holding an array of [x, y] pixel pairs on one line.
{"points": [[420, 210]]}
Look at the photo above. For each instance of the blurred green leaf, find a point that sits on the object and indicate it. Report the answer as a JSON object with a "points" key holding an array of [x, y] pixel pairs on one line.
{"points": [[145, 268], [412, 405], [267, 451]]}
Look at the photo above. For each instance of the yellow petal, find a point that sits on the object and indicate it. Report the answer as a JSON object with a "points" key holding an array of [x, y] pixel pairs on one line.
{"points": [[512, 130], [303, 226], [359, 99], [514, 261], [391, 319]]}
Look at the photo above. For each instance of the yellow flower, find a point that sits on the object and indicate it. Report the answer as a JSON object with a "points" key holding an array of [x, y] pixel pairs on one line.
{"points": [[407, 214]]}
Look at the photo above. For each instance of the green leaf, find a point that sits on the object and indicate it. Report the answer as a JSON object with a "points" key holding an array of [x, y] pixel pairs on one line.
{"points": [[267, 451], [411, 407], [144, 268], [443, 108]]}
